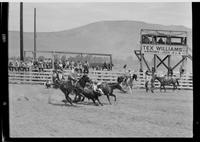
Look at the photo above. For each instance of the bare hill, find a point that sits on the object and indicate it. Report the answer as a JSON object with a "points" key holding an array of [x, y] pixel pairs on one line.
{"points": [[119, 38]]}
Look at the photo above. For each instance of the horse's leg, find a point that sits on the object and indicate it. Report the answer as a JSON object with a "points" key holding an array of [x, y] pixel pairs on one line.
{"points": [[152, 88], [177, 85], [121, 89], [78, 96], [108, 98], [65, 93], [173, 87], [65, 100], [160, 88], [146, 86], [94, 101], [83, 99], [164, 88], [113, 96], [99, 101], [125, 85], [130, 90], [75, 98], [68, 98]]}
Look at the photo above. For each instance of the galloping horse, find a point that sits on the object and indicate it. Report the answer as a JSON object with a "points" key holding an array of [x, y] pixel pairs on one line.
{"points": [[167, 81], [108, 89], [66, 87], [127, 81]]}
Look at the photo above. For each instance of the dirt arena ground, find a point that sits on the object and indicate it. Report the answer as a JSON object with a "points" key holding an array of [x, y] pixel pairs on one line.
{"points": [[141, 114]]}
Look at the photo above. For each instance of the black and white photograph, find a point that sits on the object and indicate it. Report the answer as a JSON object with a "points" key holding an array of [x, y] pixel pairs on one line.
{"points": [[100, 69]]}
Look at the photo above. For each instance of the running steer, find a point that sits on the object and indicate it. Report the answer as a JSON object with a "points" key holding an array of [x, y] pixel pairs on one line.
{"points": [[88, 92], [93, 94]]}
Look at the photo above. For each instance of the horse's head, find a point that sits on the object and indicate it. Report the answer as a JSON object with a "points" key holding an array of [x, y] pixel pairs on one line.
{"points": [[120, 79], [156, 77]]}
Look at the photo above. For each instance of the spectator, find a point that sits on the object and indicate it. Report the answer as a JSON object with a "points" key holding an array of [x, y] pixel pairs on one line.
{"points": [[146, 39], [67, 64], [160, 41], [104, 66], [73, 76], [10, 66], [41, 66], [86, 67], [110, 66], [16, 66], [29, 65], [124, 68], [60, 65]]}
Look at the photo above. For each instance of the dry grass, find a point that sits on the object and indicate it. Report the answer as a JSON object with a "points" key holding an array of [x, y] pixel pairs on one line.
{"points": [[139, 115]]}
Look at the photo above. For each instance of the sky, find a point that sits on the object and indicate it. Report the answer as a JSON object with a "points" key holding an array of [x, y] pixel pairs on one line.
{"points": [[61, 16]]}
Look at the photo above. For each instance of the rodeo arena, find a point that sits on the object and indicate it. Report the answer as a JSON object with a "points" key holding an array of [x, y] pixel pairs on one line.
{"points": [[78, 97]]}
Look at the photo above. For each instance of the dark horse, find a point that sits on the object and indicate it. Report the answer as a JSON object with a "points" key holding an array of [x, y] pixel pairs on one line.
{"points": [[108, 89], [66, 87], [167, 81], [127, 81]]}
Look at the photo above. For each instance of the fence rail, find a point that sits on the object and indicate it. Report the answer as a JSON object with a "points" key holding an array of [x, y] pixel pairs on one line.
{"points": [[185, 82]]}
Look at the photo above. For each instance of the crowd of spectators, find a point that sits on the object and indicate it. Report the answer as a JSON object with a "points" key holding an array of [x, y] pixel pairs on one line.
{"points": [[17, 65], [31, 65], [69, 65]]}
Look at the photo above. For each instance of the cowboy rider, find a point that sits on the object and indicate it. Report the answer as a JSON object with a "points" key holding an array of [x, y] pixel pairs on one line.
{"points": [[55, 78], [169, 73], [61, 75], [127, 73], [58, 75], [150, 77], [147, 76], [73, 75]]}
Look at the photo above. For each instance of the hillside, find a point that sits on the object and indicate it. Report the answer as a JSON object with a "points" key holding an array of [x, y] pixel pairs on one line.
{"points": [[119, 38]]}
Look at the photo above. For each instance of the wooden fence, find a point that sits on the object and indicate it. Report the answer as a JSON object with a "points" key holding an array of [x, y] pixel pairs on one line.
{"points": [[107, 76]]}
